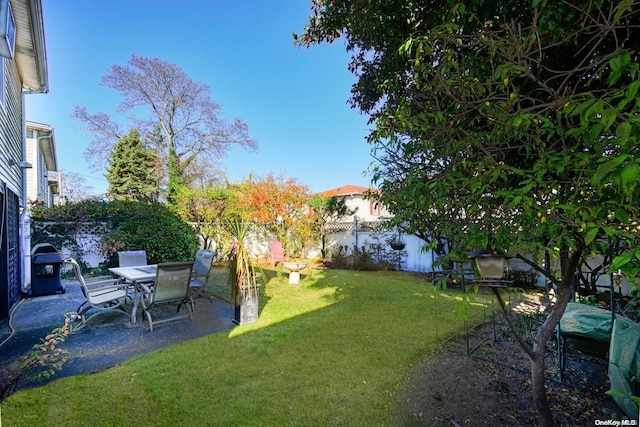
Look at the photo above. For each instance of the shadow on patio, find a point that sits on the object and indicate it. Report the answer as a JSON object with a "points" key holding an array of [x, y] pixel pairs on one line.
{"points": [[108, 339]]}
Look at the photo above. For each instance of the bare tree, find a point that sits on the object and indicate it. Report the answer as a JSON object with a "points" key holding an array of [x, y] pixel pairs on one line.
{"points": [[75, 187], [178, 109]]}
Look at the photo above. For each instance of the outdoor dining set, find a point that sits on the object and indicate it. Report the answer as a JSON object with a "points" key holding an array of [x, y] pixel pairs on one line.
{"points": [[150, 287]]}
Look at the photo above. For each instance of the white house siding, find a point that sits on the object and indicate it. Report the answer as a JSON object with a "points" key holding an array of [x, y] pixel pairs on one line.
{"points": [[11, 129], [37, 174], [41, 155], [41, 183], [32, 157], [365, 210], [12, 274]]}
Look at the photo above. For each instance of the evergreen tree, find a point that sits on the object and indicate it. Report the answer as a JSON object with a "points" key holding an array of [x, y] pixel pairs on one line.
{"points": [[130, 170]]}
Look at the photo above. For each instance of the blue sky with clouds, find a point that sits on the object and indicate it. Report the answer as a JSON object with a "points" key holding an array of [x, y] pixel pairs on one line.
{"points": [[294, 100]]}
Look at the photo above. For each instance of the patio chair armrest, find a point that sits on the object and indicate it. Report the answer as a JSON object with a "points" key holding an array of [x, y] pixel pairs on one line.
{"points": [[102, 290], [200, 276], [106, 283]]}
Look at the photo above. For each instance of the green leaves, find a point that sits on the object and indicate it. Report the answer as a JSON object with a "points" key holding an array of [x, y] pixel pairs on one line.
{"points": [[618, 66], [623, 171], [131, 170], [621, 260], [591, 235], [623, 130], [41, 362], [515, 125], [630, 174], [607, 167], [631, 92]]}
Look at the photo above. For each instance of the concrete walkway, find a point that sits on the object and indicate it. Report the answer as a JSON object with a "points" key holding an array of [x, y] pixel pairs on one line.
{"points": [[108, 339]]}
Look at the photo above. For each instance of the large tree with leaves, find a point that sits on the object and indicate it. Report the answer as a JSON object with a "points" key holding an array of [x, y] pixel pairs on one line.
{"points": [[131, 170], [208, 210], [184, 123], [278, 204], [511, 124]]}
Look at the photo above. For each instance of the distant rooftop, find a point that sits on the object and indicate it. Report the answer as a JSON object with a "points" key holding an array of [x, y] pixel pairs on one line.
{"points": [[345, 190]]}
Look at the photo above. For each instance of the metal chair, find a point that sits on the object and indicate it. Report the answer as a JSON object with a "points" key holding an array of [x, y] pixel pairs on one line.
{"points": [[132, 258], [200, 275], [171, 287], [103, 295]]}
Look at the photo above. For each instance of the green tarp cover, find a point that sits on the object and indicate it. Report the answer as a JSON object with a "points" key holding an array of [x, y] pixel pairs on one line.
{"points": [[586, 321], [624, 363]]}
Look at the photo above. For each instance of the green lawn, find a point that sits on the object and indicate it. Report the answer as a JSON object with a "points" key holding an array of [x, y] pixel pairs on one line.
{"points": [[333, 350]]}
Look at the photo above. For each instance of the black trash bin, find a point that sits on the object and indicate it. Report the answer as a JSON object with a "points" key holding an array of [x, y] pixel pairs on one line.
{"points": [[45, 271]]}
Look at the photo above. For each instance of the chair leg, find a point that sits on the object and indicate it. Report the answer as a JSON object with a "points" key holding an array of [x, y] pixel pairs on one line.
{"points": [[149, 319], [186, 303], [81, 313], [81, 324], [189, 310], [81, 307], [84, 320], [198, 292]]}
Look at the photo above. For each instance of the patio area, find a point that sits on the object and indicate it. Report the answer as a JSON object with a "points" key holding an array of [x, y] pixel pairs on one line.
{"points": [[109, 339]]}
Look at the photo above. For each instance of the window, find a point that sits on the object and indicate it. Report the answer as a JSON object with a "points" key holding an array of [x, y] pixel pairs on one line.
{"points": [[7, 29], [375, 208]]}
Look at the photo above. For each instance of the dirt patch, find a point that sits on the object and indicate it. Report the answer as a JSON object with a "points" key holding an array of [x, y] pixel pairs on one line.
{"points": [[491, 386]]}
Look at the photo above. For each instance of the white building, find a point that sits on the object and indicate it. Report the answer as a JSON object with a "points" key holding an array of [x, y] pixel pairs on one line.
{"points": [[23, 71], [366, 210], [43, 178]]}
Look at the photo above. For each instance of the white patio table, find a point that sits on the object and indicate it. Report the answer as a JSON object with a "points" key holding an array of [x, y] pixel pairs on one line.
{"points": [[137, 274]]}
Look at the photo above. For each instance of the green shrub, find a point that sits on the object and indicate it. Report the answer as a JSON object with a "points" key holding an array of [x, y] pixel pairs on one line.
{"points": [[110, 212], [357, 259], [525, 279], [165, 237], [133, 225]]}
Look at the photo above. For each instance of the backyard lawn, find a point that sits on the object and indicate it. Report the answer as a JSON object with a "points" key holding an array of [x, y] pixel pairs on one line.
{"points": [[333, 350]]}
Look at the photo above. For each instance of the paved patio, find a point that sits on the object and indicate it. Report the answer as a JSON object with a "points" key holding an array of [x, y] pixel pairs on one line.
{"points": [[109, 339]]}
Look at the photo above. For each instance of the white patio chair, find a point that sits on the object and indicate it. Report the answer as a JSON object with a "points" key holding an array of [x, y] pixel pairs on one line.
{"points": [[132, 258], [171, 287], [200, 275], [107, 295]]}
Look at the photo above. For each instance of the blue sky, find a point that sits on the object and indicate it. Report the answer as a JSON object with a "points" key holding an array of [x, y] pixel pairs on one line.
{"points": [[294, 100]]}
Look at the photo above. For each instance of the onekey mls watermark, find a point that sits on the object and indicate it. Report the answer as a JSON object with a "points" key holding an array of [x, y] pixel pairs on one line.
{"points": [[616, 423]]}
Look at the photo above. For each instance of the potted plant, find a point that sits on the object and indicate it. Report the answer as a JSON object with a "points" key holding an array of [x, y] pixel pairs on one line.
{"points": [[242, 277], [397, 244]]}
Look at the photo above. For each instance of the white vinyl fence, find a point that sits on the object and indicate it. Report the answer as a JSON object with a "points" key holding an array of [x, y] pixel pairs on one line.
{"points": [[370, 237]]}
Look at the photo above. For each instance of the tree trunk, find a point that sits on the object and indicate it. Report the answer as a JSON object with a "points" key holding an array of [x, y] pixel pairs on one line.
{"points": [[536, 352], [323, 248], [545, 417]]}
